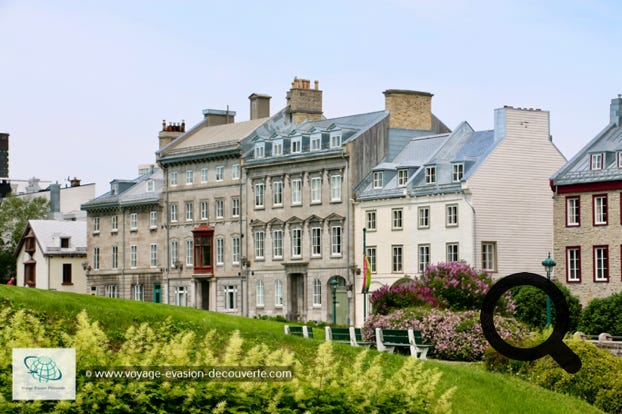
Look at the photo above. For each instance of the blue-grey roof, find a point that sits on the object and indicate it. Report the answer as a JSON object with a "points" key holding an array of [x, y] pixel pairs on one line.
{"points": [[132, 192], [463, 146]]}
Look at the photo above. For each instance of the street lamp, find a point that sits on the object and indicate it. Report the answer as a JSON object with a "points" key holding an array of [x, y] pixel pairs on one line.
{"points": [[333, 284], [548, 264]]}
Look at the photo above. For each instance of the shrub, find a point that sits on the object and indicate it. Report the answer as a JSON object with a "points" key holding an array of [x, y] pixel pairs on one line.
{"points": [[455, 336], [602, 315], [389, 298], [530, 306]]}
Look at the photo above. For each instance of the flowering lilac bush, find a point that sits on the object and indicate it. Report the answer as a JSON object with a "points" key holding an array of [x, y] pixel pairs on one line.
{"points": [[456, 336], [389, 298]]}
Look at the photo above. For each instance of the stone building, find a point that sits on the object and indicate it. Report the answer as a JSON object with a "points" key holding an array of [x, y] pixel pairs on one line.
{"points": [[587, 193]]}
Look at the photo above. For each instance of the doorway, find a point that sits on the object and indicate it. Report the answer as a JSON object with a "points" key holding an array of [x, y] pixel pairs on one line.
{"points": [[296, 295]]}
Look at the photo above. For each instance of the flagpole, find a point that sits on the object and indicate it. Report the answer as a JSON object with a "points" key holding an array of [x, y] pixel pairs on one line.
{"points": [[364, 275]]}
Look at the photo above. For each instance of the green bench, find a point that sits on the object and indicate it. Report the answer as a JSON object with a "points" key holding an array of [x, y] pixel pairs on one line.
{"points": [[349, 335], [389, 339], [304, 331]]}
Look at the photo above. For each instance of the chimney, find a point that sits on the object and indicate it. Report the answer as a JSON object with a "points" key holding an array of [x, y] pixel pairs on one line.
{"points": [[4, 155], [75, 182], [219, 117], [615, 111], [54, 200], [409, 109], [170, 132], [304, 103], [260, 106]]}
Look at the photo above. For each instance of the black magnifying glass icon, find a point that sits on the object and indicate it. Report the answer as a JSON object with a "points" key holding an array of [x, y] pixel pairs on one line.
{"points": [[554, 345]]}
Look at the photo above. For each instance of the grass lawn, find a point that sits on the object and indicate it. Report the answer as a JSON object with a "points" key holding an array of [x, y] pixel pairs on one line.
{"points": [[478, 391]]}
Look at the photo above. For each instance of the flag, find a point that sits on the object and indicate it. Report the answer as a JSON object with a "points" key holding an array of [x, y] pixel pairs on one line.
{"points": [[366, 275]]}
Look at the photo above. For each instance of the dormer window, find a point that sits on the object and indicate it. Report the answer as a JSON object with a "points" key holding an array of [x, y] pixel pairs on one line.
{"points": [[430, 174], [596, 161], [316, 142], [277, 148], [335, 140], [259, 150], [402, 177], [458, 172], [296, 145], [378, 178], [619, 159], [114, 188], [64, 242], [150, 186]]}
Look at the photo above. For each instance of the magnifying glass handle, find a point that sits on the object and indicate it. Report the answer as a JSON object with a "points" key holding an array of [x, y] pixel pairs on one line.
{"points": [[567, 359]]}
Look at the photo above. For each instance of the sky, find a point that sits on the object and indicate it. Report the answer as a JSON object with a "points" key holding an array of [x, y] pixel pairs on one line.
{"points": [[85, 84]]}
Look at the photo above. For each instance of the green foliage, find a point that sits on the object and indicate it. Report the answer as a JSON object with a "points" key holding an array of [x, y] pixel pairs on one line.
{"points": [[603, 315], [530, 306]]}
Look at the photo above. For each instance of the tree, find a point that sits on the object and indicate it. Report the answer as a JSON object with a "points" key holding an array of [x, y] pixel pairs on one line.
{"points": [[14, 215]]}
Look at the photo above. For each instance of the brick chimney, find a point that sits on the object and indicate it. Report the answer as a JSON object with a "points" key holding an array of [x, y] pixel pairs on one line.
{"points": [[260, 106], [409, 109], [170, 132], [304, 103]]}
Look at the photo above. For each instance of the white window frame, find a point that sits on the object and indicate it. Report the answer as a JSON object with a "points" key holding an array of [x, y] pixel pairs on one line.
{"points": [[296, 145], [114, 224], [397, 258], [259, 244], [115, 257], [597, 161], [278, 293], [316, 190], [95, 258], [573, 264], [296, 191], [335, 188], [371, 256], [260, 295], [489, 256], [259, 150], [336, 240], [235, 250], [259, 195], [189, 177], [220, 173], [150, 186], [573, 211], [451, 215], [317, 292], [402, 177], [277, 148], [277, 193], [220, 251], [424, 254], [173, 212], [430, 174], [173, 178], [600, 207], [204, 175], [189, 210], [316, 241], [370, 220], [231, 297], [220, 208], [315, 142], [296, 242], [235, 172], [137, 292], [378, 180], [277, 243], [133, 256], [153, 219], [235, 207], [397, 219], [204, 209], [601, 263], [335, 140], [174, 253], [133, 221], [423, 217], [181, 296], [153, 255], [458, 172], [452, 252], [189, 253]]}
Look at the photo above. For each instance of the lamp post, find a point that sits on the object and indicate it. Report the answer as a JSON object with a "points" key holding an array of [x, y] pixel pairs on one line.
{"points": [[548, 264], [333, 285]]}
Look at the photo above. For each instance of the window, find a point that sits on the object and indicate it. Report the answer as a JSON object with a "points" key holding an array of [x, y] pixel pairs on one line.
{"points": [[451, 218], [235, 207], [174, 253], [235, 250], [133, 255], [316, 190], [458, 172], [220, 208], [189, 211], [181, 296], [204, 175], [316, 142], [430, 175], [259, 194], [397, 263], [220, 173], [573, 211], [424, 218], [424, 257], [114, 224], [189, 177], [573, 264], [600, 210], [153, 219], [378, 179], [335, 140], [278, 293], [277, 148], [137, 292], [296, 242], [204, 207], [397, 218], [189, 252], [111, 291], [277, 244], [371, 257], [115, 257], [235, 172], [601, 263], [153, 255], [173, 212], [220, 251], [402, 177], [336, 240], [277, 193], [260, 151], [203, 246], [335, 188], [619, 156], [596, 161], [296, 145], [133, 221], [173, 178], [371, 220], [230, 297], [452, 252], [96, 225], [296, 191], [489, 256], [67, 274], [316, 241], [260, 295], [317, 292], [96, 258], [150, 186], [259, 244]]}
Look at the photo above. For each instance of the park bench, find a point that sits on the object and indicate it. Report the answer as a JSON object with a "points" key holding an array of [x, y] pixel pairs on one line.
{"points": [[304, 331], [389, 339], [338, 335], [356, 337]]}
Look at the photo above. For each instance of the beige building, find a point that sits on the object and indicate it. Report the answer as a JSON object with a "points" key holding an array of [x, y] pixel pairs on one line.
{"points": [[587, 195]]}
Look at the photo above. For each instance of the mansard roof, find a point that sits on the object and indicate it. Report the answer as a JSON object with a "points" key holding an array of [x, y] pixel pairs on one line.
{"points": [[130, 192]]}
